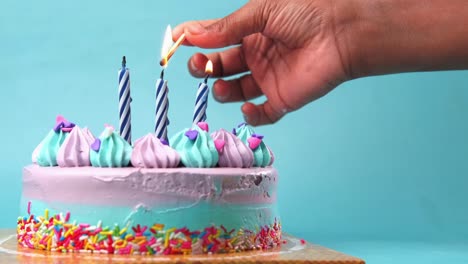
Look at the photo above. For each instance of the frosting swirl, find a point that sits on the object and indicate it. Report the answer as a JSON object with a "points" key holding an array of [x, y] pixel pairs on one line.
{"points": [[150, 152], [48, 148], [75, 149], [196, 147], [232, 151], [45, 153], [262, 154], [110, 150]]}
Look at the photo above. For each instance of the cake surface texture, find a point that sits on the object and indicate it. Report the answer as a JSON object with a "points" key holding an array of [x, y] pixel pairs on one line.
{"points": [[200, 194]]}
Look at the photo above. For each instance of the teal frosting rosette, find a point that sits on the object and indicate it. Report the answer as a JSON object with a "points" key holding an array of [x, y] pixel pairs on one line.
{"points": [[263, 156], [195, 147], [110, 150], [45, 154]]}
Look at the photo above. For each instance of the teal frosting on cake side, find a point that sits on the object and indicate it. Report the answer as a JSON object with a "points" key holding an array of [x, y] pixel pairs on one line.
{"points": [[196, 198], [205, 210], [193, 217]]}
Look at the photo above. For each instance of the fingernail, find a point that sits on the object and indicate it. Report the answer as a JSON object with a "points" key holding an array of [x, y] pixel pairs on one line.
{"points": [[196, 29], [194, 68], [177, 30], [221, 97]]}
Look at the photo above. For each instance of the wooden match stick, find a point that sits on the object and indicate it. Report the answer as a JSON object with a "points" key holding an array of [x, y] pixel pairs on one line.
{"points": [[171, 52]]}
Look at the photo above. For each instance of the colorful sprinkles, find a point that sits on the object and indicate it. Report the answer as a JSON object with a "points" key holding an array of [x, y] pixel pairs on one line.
{"points": [[58, 234]]}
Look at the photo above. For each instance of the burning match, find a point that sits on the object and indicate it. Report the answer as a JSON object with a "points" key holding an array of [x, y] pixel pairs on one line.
{"points": [[171, 52]]}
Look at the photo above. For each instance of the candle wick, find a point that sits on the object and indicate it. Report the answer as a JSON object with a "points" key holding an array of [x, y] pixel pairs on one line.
{"points": [[124, 62], [206, 78], [162, 74]]}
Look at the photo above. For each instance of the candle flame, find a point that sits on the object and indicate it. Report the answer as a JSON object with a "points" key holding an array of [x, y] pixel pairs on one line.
{"points": [[172, 50], [209, 67]]}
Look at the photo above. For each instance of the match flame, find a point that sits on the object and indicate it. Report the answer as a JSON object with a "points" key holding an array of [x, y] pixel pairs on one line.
{"points": [[167, 43], [172, 50], [209, 67]]}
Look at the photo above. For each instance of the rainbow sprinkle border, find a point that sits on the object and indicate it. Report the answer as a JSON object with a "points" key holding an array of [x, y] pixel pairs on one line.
{"points": [[59, 234]]}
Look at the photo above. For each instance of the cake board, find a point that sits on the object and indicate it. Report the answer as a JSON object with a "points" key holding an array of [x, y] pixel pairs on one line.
{"points": [[294, 251]]}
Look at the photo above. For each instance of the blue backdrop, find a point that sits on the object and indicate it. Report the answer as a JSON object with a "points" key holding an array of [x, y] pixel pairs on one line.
{"points": [[382, 158]]}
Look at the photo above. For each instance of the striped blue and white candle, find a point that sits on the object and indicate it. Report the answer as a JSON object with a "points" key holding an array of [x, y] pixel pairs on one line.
{"points": [[162, 107], [201, 101], [124, 103]]}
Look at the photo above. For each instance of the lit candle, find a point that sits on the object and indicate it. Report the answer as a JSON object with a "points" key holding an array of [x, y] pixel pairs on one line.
{"points": [[201, 102], [162, 101], [124, 103]]}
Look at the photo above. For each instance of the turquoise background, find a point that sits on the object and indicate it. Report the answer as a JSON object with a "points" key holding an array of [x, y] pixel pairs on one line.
{"points": [[378, 168]]}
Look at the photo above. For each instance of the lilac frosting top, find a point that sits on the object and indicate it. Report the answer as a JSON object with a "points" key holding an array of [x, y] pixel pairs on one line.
{"points": [[74, 151], [232, 151], [157, 187], [150, 152]]}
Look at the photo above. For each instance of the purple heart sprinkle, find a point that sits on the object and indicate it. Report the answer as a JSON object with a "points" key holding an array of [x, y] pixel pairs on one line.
{"points": [[96, 145], [67, 124], [234, 132], [192, 134], [164, 142], [58, 127], [257, 136], [242, 124]]}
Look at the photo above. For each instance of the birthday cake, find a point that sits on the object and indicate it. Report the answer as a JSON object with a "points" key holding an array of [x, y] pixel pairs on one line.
{"points": [[202, 193]]}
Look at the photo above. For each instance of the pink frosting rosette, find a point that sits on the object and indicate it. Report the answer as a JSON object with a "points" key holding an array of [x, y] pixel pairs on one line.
{"points": [[74, 152], [233, 153], [151, 152]]}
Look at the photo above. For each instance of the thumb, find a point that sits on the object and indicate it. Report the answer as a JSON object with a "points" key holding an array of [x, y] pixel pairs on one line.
{"points": [[230, 30]]}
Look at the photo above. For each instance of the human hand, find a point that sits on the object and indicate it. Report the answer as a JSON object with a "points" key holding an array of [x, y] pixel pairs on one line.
{"points": [[288, 50]]}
